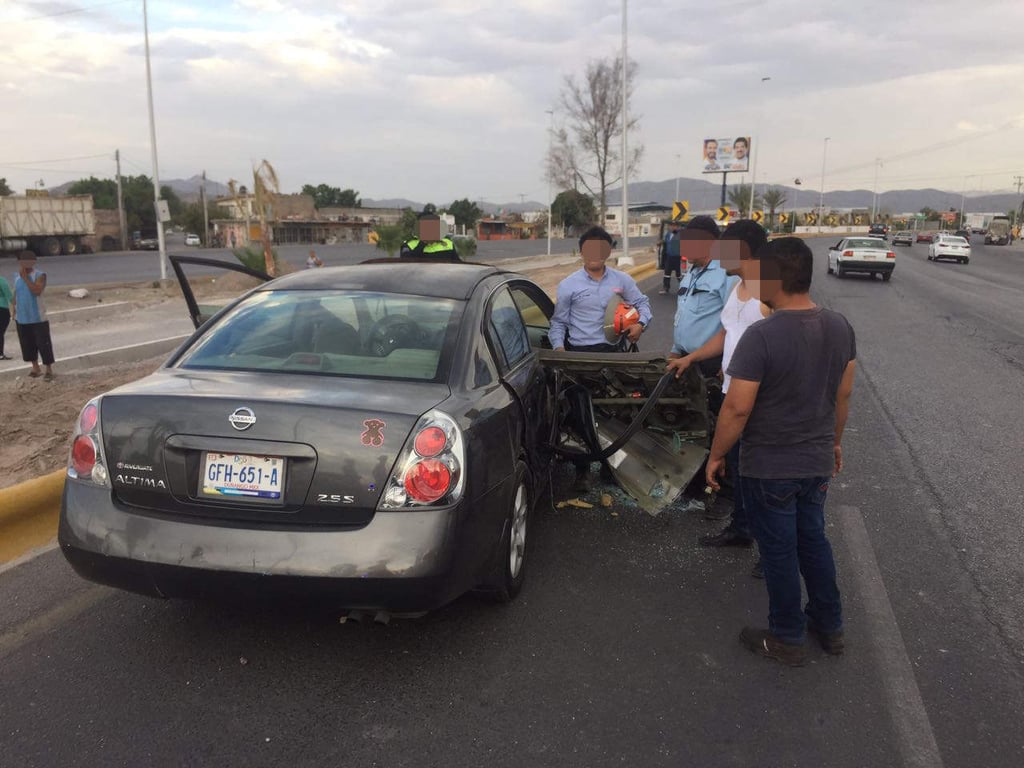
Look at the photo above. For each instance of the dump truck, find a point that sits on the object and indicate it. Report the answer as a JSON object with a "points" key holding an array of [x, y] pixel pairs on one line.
{"points": [[998, 231], [49, 226]]}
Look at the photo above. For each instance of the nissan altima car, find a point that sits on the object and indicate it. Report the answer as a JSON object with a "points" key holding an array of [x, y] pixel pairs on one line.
{"points": [[870, 255], [374, 436], [950, 247]]}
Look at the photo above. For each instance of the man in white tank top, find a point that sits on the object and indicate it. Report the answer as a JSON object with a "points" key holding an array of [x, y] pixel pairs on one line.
{"points": [[737, 246]]}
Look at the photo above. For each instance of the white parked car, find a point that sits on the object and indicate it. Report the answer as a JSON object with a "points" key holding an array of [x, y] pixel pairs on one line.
{"points": [[950, 247], [862, 254], [191, 239]]}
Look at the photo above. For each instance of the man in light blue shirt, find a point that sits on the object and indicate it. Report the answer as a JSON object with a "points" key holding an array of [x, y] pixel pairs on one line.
{"points": [[578, 322], [29, 312], [702, 293]]}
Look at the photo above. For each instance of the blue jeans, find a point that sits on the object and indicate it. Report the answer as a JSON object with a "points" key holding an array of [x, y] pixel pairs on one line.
{"points": [[788, 518], [740, 523]]}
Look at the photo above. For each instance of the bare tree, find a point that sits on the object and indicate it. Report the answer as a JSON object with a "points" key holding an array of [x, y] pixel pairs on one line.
{"points": [[587, 151]]}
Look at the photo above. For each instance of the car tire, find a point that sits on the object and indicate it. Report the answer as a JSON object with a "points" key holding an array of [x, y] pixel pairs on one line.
{"points": [[828, 268], [967, 261], [509, 572], [839, 271], [886, 277]]}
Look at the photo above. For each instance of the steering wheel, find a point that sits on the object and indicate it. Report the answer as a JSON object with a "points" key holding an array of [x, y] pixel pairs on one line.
{"points": [[393, 331]]}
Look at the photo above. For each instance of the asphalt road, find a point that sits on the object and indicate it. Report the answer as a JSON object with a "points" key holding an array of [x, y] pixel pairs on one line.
{"points": [[137, 266], [621, 649]]}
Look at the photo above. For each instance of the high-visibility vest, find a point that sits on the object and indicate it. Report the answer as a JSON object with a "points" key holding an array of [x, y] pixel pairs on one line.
{"points": [[430, 248]]}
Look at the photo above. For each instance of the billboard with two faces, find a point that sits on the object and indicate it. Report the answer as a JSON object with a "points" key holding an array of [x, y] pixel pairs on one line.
{"points": [[729, 154]]}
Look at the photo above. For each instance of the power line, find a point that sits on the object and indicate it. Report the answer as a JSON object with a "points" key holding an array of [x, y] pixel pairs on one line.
{"points": [[12, 163], [67, 12]]}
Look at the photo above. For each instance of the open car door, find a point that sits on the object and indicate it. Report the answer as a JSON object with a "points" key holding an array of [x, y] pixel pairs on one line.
{"points": [[202, 279]]}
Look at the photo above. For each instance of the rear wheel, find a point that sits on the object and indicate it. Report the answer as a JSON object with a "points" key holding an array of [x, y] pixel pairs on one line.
{"points": [[829, 267], [510, 570], [839, 270], [967, 261], [51, 247], [69, 246], [887, 276]]}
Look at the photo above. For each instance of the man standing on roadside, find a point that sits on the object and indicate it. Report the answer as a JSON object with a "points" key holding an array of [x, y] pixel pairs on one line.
{"points": [[30, 315], [428, 243], [582, 299], [670, 261], [6, 296], [577, 324], [702, 293], [740, 241], [792, 375]]}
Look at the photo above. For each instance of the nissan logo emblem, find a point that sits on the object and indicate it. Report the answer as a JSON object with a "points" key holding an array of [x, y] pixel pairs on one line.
{"points": [[242, 418]]}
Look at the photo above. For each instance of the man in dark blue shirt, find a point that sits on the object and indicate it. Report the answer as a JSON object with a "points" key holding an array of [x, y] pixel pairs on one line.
{"points": [[792, 375]]}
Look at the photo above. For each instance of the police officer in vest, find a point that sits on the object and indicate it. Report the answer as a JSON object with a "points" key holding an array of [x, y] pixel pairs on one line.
{"points": [[428, 244]]}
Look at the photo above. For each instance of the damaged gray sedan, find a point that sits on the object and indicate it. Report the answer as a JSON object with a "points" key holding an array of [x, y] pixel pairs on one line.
{"points": [[372, 437]]}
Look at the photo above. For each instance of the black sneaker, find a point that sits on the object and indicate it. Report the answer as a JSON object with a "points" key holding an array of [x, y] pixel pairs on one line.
{"points": [[831, 642], [764, 643], [727, 537]]}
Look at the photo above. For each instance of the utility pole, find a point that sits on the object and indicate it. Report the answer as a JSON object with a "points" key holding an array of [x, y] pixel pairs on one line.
{"points": [[626, 259], [121, 223], [1020, 214], [551, 131], [755, 151], [874, 194], [678, 159], [821, 197], [206, 219], [152, 143]]}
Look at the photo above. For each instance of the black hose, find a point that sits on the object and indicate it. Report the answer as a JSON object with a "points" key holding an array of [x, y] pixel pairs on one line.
{"points": [[632, 429]]}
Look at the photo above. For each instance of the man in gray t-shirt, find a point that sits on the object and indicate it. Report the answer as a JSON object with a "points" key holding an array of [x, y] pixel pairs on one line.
{"points": [[792, 374]]}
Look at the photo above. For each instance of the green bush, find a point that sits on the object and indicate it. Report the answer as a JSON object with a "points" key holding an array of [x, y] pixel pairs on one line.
{"points": [[465, 247], [251, 256]]}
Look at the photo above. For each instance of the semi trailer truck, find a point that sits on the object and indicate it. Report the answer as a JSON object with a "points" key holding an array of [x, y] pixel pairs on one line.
{"points": [[49, 226]]}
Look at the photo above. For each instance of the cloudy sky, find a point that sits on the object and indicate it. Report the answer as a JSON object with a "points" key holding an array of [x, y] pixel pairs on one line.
{"points": [[447, 99]]}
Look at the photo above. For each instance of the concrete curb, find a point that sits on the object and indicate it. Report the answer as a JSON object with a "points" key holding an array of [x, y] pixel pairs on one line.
{"points": [[28, 514], [29, 511]]}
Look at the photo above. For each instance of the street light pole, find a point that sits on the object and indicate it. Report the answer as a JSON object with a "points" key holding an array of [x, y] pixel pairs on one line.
{"points": [[678, 161], [152, 144], [821, 197], [874, 192], [551, 129], [755, 142], [625, 260]]}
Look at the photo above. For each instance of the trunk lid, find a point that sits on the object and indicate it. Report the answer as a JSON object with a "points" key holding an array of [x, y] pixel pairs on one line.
{"points": [[176, 444]]}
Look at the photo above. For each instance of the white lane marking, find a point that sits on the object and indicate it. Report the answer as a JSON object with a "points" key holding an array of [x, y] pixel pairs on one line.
{"points": [[27, 631], [914, 735]]}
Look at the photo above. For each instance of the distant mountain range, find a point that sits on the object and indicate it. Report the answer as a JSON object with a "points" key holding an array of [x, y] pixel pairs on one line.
{"points": [[702, 196]]}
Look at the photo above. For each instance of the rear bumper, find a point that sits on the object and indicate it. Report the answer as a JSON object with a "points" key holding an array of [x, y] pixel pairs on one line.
{"points": [[952, 255], [399, 562], [880, 266]]}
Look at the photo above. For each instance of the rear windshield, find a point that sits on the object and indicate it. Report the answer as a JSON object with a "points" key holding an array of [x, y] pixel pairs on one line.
{"points": [[341, 333], [866, 242]]}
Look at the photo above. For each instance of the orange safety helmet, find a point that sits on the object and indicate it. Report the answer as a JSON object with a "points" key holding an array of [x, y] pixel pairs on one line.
{"points": [[618, 318]]}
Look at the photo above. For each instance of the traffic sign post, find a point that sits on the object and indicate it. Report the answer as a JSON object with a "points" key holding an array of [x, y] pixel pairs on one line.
{"points": [[681, 210], [757, 216], [723, 215]]}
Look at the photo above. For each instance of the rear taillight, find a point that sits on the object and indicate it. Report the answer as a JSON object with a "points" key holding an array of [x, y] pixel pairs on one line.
{"points": [[430, 470], [428, 480], [86, 460], [848, 254], [890, 255], [83, 455]]}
